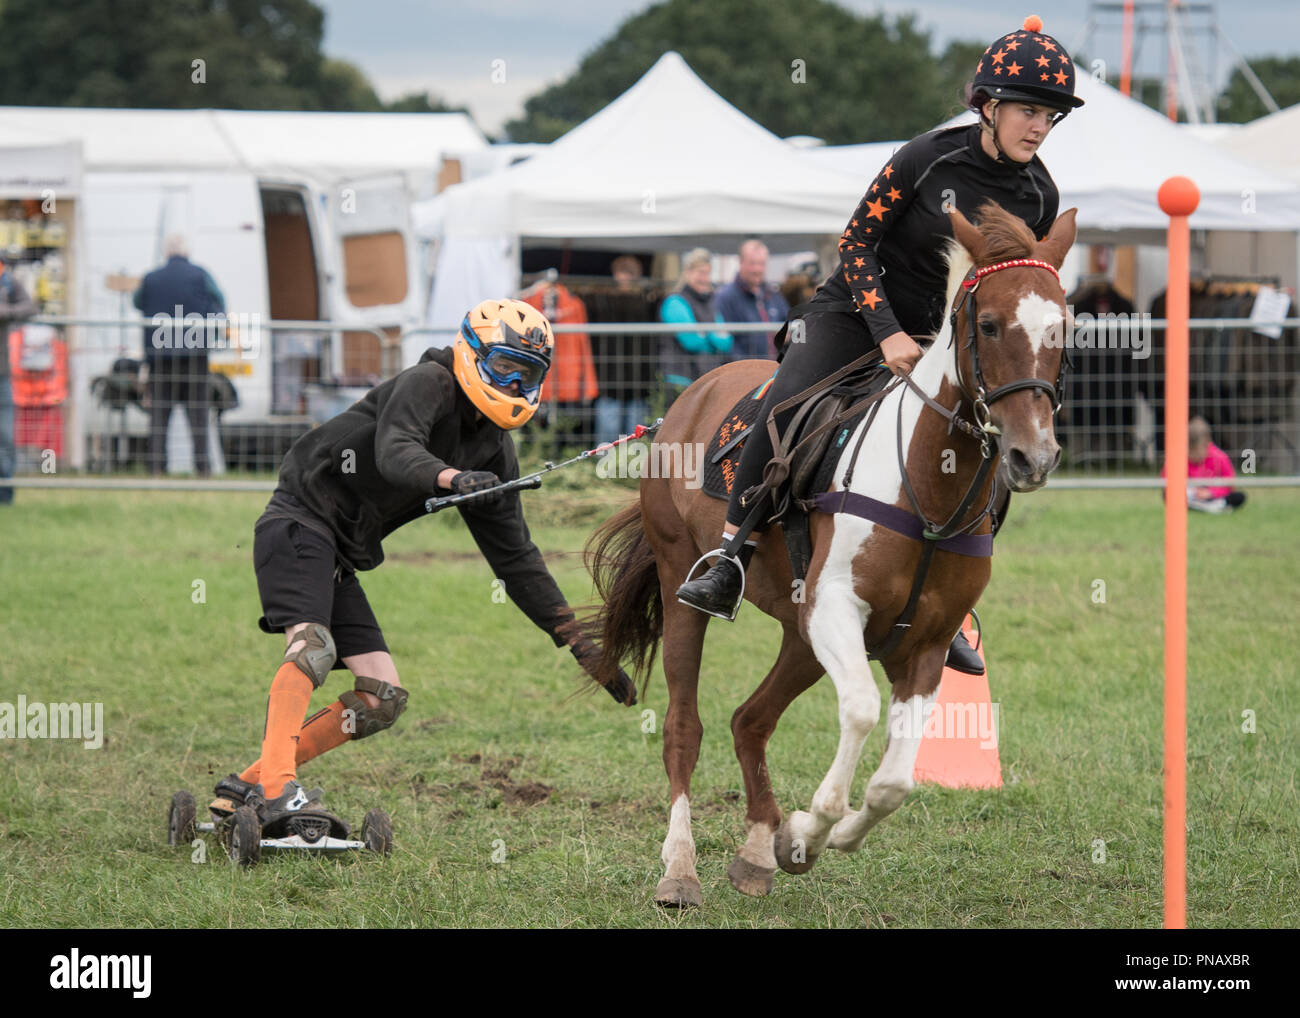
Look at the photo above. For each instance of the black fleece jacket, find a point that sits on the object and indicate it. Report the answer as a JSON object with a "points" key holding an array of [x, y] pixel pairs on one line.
{"points": [[369, 470], [892, 252]]}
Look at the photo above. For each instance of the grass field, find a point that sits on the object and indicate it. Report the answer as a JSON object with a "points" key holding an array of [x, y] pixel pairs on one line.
{"points": [[98, 604]]}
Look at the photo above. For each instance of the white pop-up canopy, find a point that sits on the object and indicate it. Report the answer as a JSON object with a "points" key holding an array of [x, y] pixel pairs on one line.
{"points": [[668, 164]]}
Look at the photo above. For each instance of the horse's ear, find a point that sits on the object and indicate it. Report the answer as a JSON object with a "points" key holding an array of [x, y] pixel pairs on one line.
{"points": [[1056, 245], [967, 235]]}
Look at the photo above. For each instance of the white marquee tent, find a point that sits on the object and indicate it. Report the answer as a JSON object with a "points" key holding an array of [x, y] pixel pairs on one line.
{"points": [[668, 164], [1273, 141], [325, 147], [1110, 157]]}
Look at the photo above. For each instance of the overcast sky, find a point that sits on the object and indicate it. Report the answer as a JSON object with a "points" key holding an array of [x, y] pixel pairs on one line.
{"points": [[449, 47]]}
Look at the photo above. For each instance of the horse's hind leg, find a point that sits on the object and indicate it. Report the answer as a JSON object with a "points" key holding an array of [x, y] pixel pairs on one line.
{"points": [[796, 669], [915, 684], [683, 642]]}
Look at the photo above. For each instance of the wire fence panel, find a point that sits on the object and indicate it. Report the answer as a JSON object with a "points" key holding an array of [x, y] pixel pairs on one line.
{"points": [[201, 396], [235, 399]]}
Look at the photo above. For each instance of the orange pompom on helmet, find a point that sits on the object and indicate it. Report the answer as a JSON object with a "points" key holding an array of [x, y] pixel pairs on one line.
{"points": [[501, 357]]}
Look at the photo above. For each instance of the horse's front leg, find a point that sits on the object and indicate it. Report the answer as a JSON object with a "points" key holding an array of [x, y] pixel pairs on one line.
{"points": [[915, 685], [836, 621]]}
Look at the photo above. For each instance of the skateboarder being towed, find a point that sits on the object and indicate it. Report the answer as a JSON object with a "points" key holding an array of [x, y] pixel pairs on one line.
{"points": [[441, 426]]}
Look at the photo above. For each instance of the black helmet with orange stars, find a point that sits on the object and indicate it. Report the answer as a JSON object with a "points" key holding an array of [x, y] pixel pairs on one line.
{"points": [[1028, 66]]}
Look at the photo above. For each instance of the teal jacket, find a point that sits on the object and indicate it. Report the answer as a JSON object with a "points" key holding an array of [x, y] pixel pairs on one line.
{"points": [[686, 356]]}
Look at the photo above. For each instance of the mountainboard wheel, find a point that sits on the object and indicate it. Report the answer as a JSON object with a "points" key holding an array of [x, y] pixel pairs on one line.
{"points": [[377, 832], [243, 835], [180, 819]]}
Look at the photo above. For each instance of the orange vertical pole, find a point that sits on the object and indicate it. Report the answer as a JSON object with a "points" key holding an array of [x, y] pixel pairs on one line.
{"points": [[1126, 52], [1178, 197]]}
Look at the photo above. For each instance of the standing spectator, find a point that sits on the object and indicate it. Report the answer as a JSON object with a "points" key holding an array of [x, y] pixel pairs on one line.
{"points": [[177, 354], [571, 387], [15, 305], [686, 356], [626, 365], [749, 298], [798, 288]]}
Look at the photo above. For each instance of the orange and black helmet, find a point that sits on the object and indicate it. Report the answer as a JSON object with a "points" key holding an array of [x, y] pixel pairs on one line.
{"points": [[1030, 67], [501, 356]]}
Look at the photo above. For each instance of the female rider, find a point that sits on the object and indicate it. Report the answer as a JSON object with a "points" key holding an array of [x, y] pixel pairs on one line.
{"points": [[892, 265]]}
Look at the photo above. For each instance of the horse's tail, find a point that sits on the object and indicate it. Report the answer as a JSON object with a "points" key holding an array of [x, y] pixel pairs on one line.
{"points": [[630, 619]]}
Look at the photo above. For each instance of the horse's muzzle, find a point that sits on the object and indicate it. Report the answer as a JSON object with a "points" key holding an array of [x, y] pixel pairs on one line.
{"points": [[1027, 470]]}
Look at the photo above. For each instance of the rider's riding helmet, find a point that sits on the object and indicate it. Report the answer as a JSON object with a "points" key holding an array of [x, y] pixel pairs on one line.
{"points": [[1027, 66], [503, 342]]}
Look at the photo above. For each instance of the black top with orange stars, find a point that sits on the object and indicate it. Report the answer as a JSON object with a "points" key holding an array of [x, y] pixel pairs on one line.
{"points": [[892, 252]]}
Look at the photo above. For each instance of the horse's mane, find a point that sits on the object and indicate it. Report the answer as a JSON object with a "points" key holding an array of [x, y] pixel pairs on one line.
{"points": [[1005, 235]]}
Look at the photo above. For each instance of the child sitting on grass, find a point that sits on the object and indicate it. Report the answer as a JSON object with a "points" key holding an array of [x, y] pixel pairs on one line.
{"points": [[1206, 461]]}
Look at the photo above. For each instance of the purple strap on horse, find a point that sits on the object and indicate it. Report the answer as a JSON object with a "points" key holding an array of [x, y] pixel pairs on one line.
{"points": [[900, 521]]}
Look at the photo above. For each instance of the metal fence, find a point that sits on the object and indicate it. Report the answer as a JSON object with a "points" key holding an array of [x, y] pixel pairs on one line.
{"points": [[102, 413], [108, 396]]}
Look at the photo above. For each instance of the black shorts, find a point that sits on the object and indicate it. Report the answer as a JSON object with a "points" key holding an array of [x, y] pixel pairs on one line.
{"points": [[300, 580]]}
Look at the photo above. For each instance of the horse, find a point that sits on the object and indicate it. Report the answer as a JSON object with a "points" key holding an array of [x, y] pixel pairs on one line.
{"points": [[1006, 377]]}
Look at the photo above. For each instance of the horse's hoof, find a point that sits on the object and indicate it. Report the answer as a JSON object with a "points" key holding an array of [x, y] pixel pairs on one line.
{"points": [[756, 881], [679, 892], [791, 854]]}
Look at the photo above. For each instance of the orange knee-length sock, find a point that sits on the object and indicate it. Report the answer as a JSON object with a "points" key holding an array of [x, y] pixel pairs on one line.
{"points": [[285, 707], [320, 733]]}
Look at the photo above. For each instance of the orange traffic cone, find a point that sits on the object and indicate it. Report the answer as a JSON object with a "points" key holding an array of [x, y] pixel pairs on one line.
{"points": [[959, 744]]}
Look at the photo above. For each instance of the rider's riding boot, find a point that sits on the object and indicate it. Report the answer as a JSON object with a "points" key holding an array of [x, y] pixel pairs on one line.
{"points": [[718, 591], [962, 656]]}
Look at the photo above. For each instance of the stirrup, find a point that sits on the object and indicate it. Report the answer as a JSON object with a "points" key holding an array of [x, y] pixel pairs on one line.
{"points": [[718, 553]]}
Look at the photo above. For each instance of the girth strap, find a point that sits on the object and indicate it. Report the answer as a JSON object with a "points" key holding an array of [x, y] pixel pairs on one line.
{"points": [[904, 621], [900, 521]]}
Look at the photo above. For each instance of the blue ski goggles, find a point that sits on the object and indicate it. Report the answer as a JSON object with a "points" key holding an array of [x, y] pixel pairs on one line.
{"points": [[502, 365]]}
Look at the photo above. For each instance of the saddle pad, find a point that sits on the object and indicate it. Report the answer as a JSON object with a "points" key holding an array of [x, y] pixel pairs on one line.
{"points": [[720, 475]]}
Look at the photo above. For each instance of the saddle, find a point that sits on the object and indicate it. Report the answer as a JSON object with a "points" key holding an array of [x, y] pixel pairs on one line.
{"points": [[805, 455]]}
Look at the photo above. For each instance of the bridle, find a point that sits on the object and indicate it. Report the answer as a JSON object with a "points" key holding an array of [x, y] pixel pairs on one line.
{"points": [[981, 398]]}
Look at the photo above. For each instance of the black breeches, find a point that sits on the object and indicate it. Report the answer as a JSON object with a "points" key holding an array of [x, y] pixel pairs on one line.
{"points": [[831, 339]]}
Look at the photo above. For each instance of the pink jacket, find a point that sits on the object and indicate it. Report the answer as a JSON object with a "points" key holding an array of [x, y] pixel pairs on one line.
{"points": [[1215, 464]]}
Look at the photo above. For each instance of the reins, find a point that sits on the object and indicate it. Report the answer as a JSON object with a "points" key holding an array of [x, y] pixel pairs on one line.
{"points": [[948, 535]]}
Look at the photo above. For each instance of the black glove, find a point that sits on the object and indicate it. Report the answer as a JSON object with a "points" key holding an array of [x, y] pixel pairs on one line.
{"points": [[622, 689], [476, 480]]}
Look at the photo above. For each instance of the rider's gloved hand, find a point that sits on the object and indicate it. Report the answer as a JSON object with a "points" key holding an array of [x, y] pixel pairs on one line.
{"points": [[588, 654], [468, 481]]}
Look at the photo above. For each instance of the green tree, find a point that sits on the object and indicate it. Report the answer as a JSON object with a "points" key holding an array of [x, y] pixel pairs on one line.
{"points": [[254, 54], [1238, 102], [421, 102], [344, 87], [864, 78]]}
